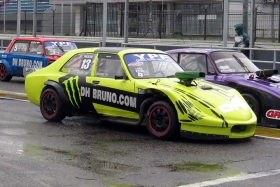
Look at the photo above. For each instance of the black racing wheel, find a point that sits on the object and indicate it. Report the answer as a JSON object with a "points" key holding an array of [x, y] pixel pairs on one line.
{"points": [[51, 106], [4, 74], [162, 121]]}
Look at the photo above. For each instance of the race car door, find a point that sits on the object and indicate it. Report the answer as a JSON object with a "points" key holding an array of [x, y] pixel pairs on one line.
{"points": [[24, 58], [113, 94], [17, 53]]}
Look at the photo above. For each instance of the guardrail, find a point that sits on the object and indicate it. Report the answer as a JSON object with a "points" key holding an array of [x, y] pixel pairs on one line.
{"points": [[158, 43]]}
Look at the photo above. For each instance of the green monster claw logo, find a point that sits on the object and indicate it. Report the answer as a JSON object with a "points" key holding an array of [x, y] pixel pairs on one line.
{"points": [[73, 91]]}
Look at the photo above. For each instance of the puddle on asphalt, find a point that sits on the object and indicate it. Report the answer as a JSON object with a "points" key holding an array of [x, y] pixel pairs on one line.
{"points": [[13, 131], [86, 161], [103, 167], [10, 145], [35, 150], [198, 167]]}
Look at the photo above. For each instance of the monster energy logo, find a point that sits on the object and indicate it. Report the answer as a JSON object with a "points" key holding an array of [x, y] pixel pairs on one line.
{"points": [[73, 91]]}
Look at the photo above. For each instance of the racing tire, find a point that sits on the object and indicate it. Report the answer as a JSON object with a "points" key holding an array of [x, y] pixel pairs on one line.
{"points": [[253, 103], [162, 121], [51, 107], [3, 74]]}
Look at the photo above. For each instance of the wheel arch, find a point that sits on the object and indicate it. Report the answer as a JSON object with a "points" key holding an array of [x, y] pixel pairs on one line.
{"points": [[8, 67], [59, 89], [156, 95], [254, 92]]}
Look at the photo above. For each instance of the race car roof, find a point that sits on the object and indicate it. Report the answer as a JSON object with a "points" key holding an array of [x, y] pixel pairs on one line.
{"points": [[42, 39], [116, 50], [196, 50]]}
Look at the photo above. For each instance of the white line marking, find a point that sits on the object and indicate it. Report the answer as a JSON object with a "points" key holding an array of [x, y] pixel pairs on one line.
{"points": [[267, 137], [8, 98], [232, 179]]}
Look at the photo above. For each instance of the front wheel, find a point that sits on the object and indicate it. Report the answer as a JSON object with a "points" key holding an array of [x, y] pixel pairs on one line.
{"points": [[162, 121], [253, 103], [51, 106], [3, 74]]}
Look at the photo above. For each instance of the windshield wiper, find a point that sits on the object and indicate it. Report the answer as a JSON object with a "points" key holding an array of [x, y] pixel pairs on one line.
{"points": [[241, 63], [61, 49], [169, 76]]}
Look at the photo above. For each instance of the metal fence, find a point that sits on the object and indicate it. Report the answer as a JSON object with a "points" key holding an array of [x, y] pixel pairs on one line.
{"points": [[184, 21]]}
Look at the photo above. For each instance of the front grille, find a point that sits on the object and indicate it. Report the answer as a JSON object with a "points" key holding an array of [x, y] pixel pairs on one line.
{"points": [[238, 128]]}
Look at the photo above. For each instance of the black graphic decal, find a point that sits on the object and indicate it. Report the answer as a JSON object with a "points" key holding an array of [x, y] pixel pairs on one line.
{"points": [[179, 107], [225, 123]]}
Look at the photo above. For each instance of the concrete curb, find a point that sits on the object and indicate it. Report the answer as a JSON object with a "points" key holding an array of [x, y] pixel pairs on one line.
{"points": [[14, 95]]}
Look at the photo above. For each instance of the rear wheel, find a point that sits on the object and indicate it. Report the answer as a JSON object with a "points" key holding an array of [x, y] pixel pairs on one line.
{"points": [[253, 103], [3, 74], [51, 106], [162, 121]]}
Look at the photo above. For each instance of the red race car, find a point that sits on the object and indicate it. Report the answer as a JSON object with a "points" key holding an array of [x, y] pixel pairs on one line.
{"points": [[25, 54]]}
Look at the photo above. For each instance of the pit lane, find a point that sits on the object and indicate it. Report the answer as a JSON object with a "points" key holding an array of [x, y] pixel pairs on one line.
{"points": [[82, 152]]}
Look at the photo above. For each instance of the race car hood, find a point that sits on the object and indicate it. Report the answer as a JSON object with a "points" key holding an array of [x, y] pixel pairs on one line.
{"points": [[269, 84], [202, 97]]}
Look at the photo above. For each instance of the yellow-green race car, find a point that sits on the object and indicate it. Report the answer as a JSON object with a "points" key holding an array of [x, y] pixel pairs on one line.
{"points": [[139, 87]]}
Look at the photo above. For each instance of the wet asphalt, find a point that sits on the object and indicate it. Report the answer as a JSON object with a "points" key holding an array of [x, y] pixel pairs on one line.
{"points": [[81, 151]]}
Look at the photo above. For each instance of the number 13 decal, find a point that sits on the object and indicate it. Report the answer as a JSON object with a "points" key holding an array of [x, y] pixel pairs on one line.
{"points": [[86, 63]]}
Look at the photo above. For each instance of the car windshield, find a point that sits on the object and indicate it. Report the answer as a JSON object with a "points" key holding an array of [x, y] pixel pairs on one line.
{"points": [[233, 62], [151, 65], [58, 48]]}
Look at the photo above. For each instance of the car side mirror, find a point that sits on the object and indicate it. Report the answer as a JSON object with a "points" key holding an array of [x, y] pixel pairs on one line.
{"points": [[117, 77], [120, 74], [212, 73]]}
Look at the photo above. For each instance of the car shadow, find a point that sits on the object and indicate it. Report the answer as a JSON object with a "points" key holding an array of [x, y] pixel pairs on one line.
{"points": [[19, 80], [137, 132]]}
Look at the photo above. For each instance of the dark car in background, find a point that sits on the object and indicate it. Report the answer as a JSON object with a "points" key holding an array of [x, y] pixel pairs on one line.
{"points": [[260, 88]]}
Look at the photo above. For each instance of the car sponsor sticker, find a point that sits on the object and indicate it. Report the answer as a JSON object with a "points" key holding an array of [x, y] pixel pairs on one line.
{"points": [[235, 104], [138, 59], [223, 59], [135, 64], [103, 95], [27, 63], [273, 114], [115, 98]]}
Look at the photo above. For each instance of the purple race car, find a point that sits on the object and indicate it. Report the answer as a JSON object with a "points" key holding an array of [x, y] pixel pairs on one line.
{"points": [[260, 88]]}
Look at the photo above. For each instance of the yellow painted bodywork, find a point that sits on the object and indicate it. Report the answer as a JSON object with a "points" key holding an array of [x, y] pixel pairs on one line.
{"points": [[230, 109]]}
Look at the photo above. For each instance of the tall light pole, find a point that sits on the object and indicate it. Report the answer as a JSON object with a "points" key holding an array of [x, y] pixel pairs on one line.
{"points": [[126, 21], [245, 15], [18, 17], [225, 24], [252, 30], [104, 30], [34, 17], [278, 21], [4, 27]]}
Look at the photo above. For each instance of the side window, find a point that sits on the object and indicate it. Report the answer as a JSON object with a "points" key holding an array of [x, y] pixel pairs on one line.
{"points": [[108, 66], [35, 48], [20, 47], [79, 64], [210, 67], [193, 62], [174, 56]]}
